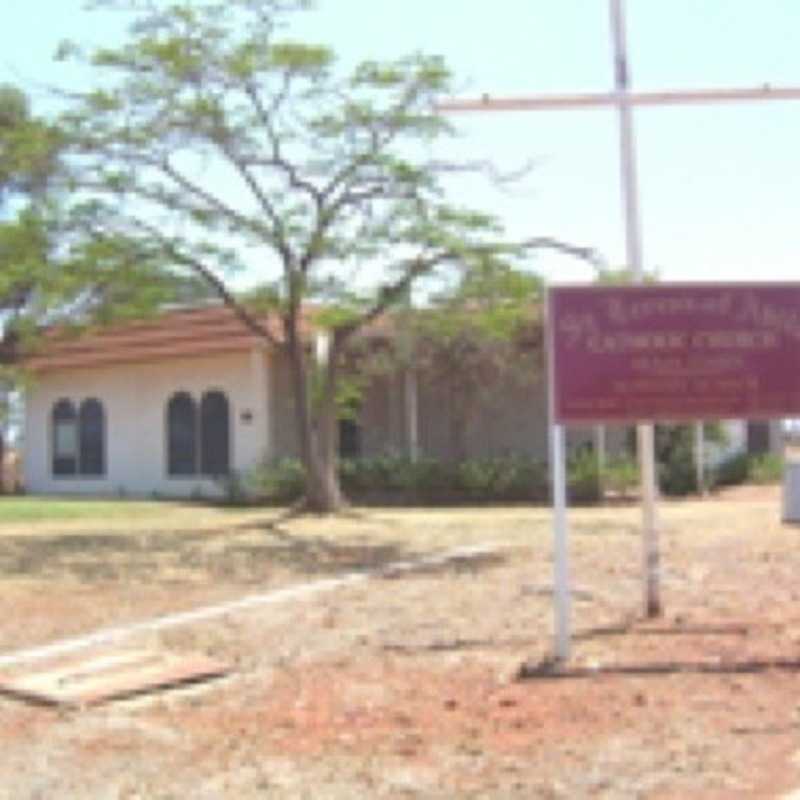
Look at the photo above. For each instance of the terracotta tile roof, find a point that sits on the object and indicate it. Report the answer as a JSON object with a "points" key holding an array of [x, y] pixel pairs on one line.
{"points": [[173, 334], [177, 333]]}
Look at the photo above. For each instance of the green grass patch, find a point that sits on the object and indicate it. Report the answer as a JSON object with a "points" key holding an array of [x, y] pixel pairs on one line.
{"points": [[44, 509]]}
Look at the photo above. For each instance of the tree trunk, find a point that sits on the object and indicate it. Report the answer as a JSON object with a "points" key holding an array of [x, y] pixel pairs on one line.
{"points": [[323, 493], [316, 428]]}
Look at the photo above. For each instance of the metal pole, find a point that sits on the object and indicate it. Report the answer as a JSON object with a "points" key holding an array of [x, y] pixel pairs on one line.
{"points": [[700, 457], [600, 451], [644, 433], [562, 592], [412, 412], [563, 600]]}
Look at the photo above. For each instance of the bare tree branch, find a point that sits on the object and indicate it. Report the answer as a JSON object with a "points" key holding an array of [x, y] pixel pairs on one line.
{"points": [[279, 230], [485, 167], [391, 293], [186, 259], [588, 254]]}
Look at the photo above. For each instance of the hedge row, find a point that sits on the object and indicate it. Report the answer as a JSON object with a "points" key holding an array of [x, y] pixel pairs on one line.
{"points": [[393, 480], [400, 481]]}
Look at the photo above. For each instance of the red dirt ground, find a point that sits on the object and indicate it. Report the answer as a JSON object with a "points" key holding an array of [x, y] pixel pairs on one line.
{"points": [[411, 687]]}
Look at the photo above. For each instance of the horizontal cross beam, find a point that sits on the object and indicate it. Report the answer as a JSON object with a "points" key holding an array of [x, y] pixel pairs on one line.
{"points": [[603, 99]]}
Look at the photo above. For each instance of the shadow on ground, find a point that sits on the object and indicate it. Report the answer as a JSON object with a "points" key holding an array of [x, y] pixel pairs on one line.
{"points": [[633, 626], [251, 556], [551, 670], [729, 664]]}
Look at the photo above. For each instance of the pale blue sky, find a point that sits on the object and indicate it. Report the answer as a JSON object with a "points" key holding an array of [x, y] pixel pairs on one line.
{"points": [[720, 185]]}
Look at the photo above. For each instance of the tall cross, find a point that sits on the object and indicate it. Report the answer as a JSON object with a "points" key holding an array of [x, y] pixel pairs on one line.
{"points": [[623, 99]]}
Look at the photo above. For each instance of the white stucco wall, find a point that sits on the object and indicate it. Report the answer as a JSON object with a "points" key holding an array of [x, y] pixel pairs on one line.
{"points": [[735, 431], [135, 397]]}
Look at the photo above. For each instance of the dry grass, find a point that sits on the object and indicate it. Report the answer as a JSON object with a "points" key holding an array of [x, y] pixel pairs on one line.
{"points": [[405, 687]]}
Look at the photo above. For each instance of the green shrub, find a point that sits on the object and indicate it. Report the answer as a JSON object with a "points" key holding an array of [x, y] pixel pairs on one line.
{"points": [[583, 477], [675, 456], [621, 476], [743, 468], [765, 468], [391, 479], [509, 478], [476, 477], [282, 481], [389, 473], [234, 487], [398, 479], [435, 478], [732, 471], [517, 478]]}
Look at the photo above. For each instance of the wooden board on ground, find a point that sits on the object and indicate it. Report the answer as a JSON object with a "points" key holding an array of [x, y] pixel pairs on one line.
{"points": [[111, 675]]}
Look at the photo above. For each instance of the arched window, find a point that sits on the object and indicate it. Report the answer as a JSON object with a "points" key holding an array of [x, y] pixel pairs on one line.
{"points": [[214, 434], [181, 435], [91, 427], [65, 439]]}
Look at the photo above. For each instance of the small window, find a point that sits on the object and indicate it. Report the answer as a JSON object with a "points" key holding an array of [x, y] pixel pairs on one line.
{"points": [[181, 435], [214, 434], [757, 437], [349, 438], [65, 439], [91, 426]]}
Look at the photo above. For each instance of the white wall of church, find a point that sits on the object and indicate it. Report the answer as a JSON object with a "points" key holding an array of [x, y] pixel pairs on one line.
{"points": [[135, 398]]}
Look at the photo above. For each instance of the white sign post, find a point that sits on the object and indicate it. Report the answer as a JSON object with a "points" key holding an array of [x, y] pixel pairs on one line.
{"points": [[562, 593], [645, 435]]}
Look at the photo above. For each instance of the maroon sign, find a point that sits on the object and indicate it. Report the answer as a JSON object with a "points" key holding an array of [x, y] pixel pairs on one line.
{"points": [[674, 351]]}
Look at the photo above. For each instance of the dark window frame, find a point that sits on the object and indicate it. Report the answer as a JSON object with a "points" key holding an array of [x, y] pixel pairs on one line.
{"points": [[181, 465], [62, 414], [197, 463], [87, 420], [215, 434], [92, 438], [350, 438]]}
